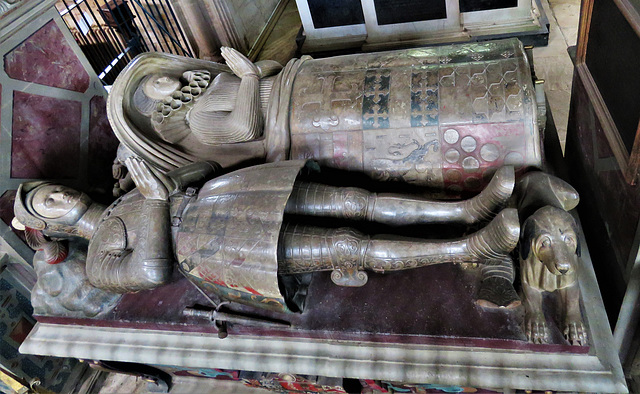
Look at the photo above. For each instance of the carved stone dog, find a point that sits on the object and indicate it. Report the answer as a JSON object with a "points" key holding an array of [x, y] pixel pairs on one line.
{"points": [[549, 252]]}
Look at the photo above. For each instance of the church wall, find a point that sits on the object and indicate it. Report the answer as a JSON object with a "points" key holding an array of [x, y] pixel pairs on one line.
{"points": [[53, 125]]}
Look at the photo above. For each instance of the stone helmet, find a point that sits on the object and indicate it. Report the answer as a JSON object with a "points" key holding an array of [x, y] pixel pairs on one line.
{"points": [[27, 214]]}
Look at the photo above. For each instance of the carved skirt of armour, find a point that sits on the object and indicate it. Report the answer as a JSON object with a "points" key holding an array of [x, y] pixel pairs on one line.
{"points": [[228, 238]]}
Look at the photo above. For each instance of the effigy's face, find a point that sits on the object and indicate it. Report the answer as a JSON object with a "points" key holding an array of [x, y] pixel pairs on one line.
{"points": [[159, 86], [54, 201]]}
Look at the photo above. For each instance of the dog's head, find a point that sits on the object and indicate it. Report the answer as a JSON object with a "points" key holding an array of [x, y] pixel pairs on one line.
{"points": [[550, 234]]}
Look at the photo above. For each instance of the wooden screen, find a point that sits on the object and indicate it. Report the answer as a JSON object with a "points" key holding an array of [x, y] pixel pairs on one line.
{"points": [[608, 63]]}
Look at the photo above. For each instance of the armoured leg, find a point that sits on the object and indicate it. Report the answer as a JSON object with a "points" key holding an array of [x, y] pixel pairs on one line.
{"points": [[358, 204], [496, 289], [348, 253]]}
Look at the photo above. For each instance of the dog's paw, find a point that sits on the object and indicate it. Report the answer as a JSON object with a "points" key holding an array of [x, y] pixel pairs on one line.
{"points": [[536, 329], [575, 332]]}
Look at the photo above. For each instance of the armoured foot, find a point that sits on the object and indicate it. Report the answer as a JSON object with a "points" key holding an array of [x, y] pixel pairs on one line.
{"points": [[538, 189], [536, 328], [575, 332], [497, 293], [498, 238], [485, 205]]}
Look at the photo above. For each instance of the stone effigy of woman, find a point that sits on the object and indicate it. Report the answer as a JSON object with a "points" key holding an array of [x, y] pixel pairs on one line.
{"points": [[446, 117]]}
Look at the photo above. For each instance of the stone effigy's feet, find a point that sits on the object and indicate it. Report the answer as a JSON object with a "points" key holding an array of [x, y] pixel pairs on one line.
{"points": [[485, 205], [498, 238], [497, 293], [537, 189]]}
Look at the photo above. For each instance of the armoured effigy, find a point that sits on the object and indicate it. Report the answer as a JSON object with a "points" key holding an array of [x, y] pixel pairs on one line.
{"points": [[445, 117], [230, 236]]}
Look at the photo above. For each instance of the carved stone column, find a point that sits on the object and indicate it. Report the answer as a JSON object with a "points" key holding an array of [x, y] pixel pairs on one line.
{"points": [[229, 32], [198, 25]]}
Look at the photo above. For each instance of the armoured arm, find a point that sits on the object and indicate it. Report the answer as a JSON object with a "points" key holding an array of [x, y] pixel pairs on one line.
{"points": [[267, 68], [112, 265], [244, 122], [192, 173], [152, 255]]}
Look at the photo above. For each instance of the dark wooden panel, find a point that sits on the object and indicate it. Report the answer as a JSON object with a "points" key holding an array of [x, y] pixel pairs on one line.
{"points": [[613, 58], [483, 5], [608, 227], [400, 11], [332, 13]]}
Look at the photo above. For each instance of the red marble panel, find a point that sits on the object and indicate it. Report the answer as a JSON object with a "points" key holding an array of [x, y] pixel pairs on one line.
{"points": [[47, 58], [6, 206], [45, 137], [103, 145], [6, 211]]}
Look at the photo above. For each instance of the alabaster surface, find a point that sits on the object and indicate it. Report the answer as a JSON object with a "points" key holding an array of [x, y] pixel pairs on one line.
{"points": [[445, 117]]}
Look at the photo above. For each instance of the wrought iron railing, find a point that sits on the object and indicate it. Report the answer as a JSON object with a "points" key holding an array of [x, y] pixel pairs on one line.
{"points": [[112, 32]]}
